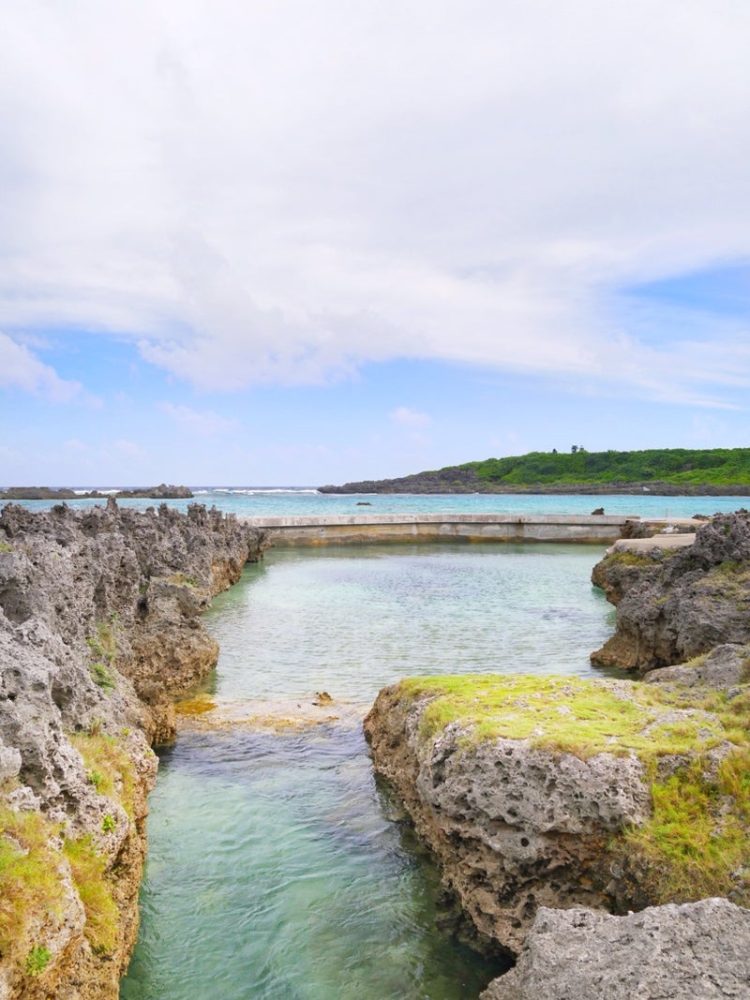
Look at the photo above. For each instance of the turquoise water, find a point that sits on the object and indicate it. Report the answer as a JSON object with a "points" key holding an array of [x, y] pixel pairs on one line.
{"points": [[280, 502], [353, 620], [274, 870]]}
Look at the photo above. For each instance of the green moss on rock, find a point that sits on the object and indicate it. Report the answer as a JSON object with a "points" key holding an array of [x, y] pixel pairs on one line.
{"points": [[569, 714], [30, 880], [109, 767], [88, 867], [695, 748]]}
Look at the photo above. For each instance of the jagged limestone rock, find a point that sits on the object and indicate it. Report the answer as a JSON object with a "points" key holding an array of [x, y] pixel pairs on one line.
{"points": [[561, 792], [99, 627], [672, 607], [725, 668], [697, 951]]}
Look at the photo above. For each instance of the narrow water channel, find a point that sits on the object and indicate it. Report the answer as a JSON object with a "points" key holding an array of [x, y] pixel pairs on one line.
{"points": [[274, 870]]}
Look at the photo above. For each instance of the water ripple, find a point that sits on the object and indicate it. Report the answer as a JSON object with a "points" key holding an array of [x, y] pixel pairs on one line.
{"points": [[273, 873]]}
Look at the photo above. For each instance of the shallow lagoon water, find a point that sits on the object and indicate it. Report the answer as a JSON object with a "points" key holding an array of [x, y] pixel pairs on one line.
{"points": [[352, 619], [292, 502], [274, 872]]}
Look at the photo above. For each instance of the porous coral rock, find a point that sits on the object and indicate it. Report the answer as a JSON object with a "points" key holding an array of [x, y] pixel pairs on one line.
{"points": [[697, 951], [672, 609], [99, 629], [529, 792]]}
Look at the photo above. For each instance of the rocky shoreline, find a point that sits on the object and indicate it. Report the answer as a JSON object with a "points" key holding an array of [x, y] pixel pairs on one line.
{"points": [[552, 802], [467, 482], [161, 492], [554, 805], [673, 605], [99, 630]]}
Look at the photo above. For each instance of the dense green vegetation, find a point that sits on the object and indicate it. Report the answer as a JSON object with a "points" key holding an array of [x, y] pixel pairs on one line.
{"points": [[665, 470], [717, 466]]}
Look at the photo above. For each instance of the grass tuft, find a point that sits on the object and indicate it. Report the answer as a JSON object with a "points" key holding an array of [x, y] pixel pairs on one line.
{"points": [[88, 868], [696, 843], [109, 768], [103, 643], [37, 960], [29, 877], [102, 676]]}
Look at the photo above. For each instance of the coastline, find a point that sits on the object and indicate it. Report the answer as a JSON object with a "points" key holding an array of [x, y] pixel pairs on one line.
{"points": [[143, 630], [531, 489]]}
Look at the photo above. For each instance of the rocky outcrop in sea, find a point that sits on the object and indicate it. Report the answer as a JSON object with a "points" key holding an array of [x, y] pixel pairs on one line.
{"points": [[160, 492], [99, 629]]}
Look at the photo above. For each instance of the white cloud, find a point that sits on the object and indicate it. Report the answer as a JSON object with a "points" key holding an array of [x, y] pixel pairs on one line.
{"points": [[76, 446], [281, 192], [20, 369], [407, 417], [204, 423], [129, 448]]}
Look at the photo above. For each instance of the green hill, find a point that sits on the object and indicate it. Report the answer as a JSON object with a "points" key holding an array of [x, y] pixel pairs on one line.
{"points": [[666, 470]]}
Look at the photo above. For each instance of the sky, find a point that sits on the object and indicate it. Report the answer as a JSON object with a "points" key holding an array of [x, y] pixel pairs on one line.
{"points": [[279, 242]]}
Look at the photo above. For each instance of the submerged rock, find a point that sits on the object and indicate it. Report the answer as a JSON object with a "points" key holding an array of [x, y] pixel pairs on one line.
{"points": [[698, 951], [99, 628]]}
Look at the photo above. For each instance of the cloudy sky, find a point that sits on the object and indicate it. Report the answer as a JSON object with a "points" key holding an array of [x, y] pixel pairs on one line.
{"points": [[278, 242]]}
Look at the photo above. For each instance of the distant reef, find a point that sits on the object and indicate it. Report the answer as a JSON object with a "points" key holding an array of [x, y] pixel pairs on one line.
{"points": [[668, 472], [161, 492]]}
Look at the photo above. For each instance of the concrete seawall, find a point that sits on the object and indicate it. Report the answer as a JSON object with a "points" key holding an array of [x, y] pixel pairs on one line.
{"points": [[409, 528]]}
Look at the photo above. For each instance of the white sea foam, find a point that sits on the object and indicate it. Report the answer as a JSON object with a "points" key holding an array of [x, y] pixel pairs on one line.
{"points": [[259, 490]]}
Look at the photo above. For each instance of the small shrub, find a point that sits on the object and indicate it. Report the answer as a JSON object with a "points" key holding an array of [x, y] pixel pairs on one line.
{"points": [[108, 823], [37, 960], [103, 644], [4, 547], [96, 778], [101, 676]]}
